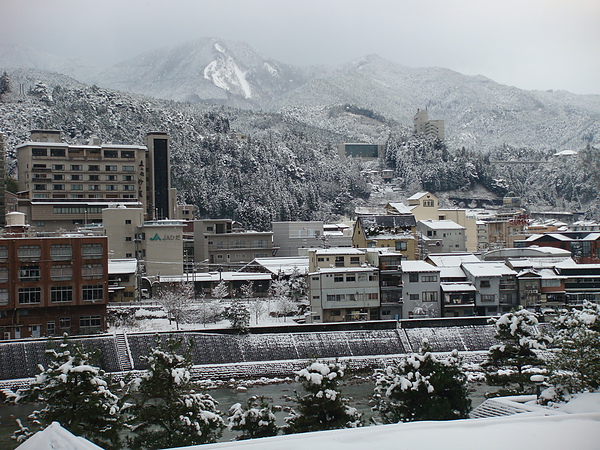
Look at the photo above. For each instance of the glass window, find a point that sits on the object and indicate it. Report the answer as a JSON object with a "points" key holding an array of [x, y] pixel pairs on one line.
{"points": [[111, 153], [430, 296], [90, 322], [413, 277], [89, 271], [29, 252], [61, 294], [29, 273], [64, 323], [4, 297], [76, 167], [92, 251], [58, 167], [92, 293], [61, 272], [3, 274], [30, 295], [128, 168], [3, 252], [61, 252], [39, 152], [58, 152]]}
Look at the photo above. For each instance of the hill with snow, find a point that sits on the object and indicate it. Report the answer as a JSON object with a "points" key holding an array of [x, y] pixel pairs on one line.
{"points": [[479, 113]]}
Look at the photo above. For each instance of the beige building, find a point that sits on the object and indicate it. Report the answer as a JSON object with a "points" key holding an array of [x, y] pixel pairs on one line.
{"points": [[425, 127], [65, 186]]}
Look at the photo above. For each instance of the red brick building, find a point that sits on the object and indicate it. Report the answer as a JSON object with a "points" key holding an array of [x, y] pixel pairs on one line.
{"points": [[52, 285]]}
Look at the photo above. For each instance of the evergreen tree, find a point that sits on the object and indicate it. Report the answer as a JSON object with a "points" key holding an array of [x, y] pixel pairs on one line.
{"points": [[422, 387], [323, 407], [4, 84], [167, 411], [255, 421], [77, 395], [576, 364], [239, 316], [510, 362]]}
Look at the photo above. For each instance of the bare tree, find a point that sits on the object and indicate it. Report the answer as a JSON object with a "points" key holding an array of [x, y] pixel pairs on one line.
{"points": [[220, 291], [177, 302]]}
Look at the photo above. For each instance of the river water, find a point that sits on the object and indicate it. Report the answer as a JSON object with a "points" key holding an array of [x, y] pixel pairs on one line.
{"points": [[357, 391]]}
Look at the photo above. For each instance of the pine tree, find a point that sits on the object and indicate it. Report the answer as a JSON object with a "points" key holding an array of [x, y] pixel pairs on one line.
{"points": [[323, 407], [510, 362], [239, 316], [167, 411], [422, 387], [256, 420], [77, 395], [576, 364]]}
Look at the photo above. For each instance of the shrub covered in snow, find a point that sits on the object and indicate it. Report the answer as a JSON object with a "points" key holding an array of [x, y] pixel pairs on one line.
{"points": [[576, 364], [76, 394], [323, 407], [239, 316], [514, 360], [167, 411], [256, 420], [422, 387]]}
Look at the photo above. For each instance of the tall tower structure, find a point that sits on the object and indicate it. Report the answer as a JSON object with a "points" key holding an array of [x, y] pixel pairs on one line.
{"points": [[158, 175]]}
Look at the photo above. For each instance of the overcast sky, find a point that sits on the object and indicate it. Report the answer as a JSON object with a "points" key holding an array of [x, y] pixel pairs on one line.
{"points": [[531, 44]]}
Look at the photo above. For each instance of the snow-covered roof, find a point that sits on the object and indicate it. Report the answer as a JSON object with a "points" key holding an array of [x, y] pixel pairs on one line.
{"points": [[417, 196], [337, 251], [566, 153], [452, 272], [441, 224], [540, 263], [216, 277], [116, 266], [536, 429], [344, 270], [458, 287], [452, 260], [488, 269], [55, 437], [284, 265], [400, 207], [418, 266]]}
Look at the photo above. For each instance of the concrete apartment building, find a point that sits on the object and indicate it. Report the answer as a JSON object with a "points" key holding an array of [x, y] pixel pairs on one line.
{"points": [[386, 231], [496, 287], [442, 236], [224, 242], [420, 290], [342, 287], [64, 186], [289, 237], [51, 285]]}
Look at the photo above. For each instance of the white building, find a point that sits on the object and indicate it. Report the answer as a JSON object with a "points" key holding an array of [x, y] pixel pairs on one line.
{"points": [[442, 236], [420, 290]]}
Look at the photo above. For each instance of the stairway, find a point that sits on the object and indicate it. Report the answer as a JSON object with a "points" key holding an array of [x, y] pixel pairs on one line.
{"points": [[123, 353]]}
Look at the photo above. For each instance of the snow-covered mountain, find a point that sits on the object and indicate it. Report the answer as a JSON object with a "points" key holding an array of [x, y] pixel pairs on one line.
{"points": [[478, 112]]}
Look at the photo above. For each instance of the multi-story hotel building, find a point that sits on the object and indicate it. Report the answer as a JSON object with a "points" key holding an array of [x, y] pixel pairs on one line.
{"points": [[64, 186], [50, 285]]}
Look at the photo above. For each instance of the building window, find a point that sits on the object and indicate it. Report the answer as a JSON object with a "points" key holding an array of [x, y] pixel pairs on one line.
{"points": [[413, 277], [111, 178], [112, 187], [4, 297], [351, 278], [414, 297], [92, 251], [61, 294], [488, 297], [354, 260], [58, 177], [401, 246], [39, 152], [428, 203], [39, 187], [93, 168], [64, 323], [338, 278], [373, 277], [92, 293], [77, 187], [127, 238], [339, 261], [61, 252], [128, 168], [335, 313], [29, 252], [127, 177], [336, 297], [429, 279], [127, 154], [51, 328], [484, 284], [89, 271], [58, 152], [29, 273], [3, 274], [111, 153], [430, 296], [3, 252], [321, 259], [30, 295], [76, 167], [93, 177], [129, 187], [94, 187], [90, 322], [61, 272]]}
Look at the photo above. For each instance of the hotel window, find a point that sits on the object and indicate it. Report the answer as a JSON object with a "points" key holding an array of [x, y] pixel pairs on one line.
{"points": [[127, 177], [50, 328], [30, 295], [92, 251], [29, 252], [111, 178], [61, 272], [414, 297], [39, 152], [61, 294], [76, 177], [89, 271], [127, 154], [94, 187], [129, 187], [61, 252], [112, 187], [93, 168], [4, 297], [58, 152], [58, 167], [128, 168], [111, 153], [76, 167], [92, 293], [110, 168], [29, 273], [58, 177], [39, 187], [58, 187]]}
